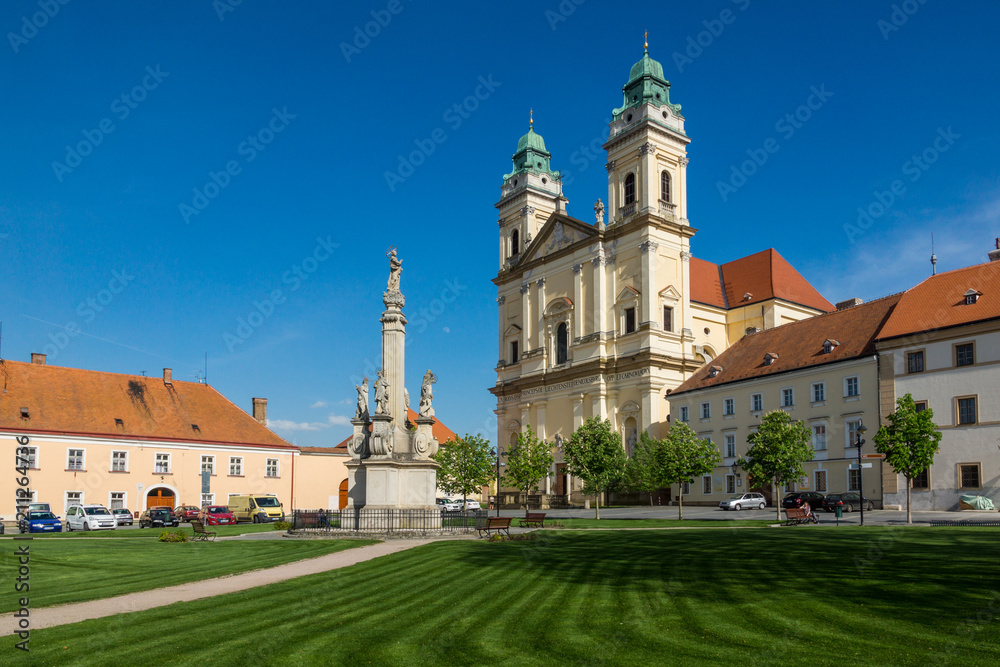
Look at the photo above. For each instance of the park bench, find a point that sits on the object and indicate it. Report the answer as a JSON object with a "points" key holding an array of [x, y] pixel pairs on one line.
{"points": [[500, 524], [534, 519], [200, 533], [797, 515]]}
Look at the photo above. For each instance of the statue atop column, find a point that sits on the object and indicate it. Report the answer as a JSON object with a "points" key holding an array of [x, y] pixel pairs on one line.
{"points": [[427, 395], [393, 296], [381, 394], [362, 410]]}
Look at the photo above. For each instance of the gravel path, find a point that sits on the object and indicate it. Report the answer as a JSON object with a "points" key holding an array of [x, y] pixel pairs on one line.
{"points": [[48, 617]]}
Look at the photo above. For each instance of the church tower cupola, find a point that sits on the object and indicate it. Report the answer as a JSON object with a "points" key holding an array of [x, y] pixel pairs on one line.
{"points": [[528, 196]]}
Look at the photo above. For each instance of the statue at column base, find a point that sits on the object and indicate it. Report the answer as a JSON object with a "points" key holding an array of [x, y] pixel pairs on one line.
{"points": [[425, 445], [357, 447], [381, 437]]}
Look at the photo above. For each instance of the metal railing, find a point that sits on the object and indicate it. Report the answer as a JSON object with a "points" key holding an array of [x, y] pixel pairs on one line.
{"points": [[385, 521]]}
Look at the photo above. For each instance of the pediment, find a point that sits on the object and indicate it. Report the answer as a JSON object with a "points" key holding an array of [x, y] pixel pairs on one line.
{"points": [[559, 232], [627, 294], [670, 292], [512, 330], [559, 305]]}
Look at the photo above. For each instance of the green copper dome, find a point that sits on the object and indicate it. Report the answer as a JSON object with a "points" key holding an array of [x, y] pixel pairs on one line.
{"points": [[645, 66], [531, 156], [646, 85], [531, 140]]}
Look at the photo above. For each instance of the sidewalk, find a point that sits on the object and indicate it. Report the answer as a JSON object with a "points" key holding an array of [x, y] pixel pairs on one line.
{"points": [[47, 617]]}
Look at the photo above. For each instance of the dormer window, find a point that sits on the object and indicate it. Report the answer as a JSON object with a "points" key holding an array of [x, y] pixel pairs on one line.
{"points": [[769, 358], [25, 414], [714, 371], [972, 296], [829, 345]]}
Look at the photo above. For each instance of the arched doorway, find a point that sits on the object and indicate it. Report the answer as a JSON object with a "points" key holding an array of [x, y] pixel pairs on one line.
{"points": [[161, 497], [343, 495]]}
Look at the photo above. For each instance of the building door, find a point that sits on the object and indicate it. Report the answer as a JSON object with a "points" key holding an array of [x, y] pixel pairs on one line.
{"points": [[560, 479], [343, 494], [160, 498]]}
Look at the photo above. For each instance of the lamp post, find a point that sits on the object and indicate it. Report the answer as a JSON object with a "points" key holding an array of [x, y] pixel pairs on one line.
{"points": [[861, 487], [497, 498], [736, 472]]}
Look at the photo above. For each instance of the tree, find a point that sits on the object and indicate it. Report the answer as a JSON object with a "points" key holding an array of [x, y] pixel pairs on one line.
{"points": [[529, 461], [642, 471], [594, 453], [466, 465], [777, 451], [682, 456], [909, 442]]}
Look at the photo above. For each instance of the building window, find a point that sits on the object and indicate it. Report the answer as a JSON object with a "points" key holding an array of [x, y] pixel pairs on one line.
{"points": [[915, 362], [965, 354], [27, 457], [706, 485], [920, 406], [73, 498], [968, 476], [820, 478], [117, 500], [852, 433], [967, 410], [851, 387], [162, 463], [208, 464], [74, 459], [730, 445], [561, 343], [514, 352], [665, 186], [514, 243], [271, 469], [787, 397], [756, 402], [730, 483], [207, 499], [668, 318], [853, 480], [819, 392], [706, 410], [683, 414], [819, 437], [630, 189], [790, 487], [235, 465], [685, 488], [119, 461], [729, 407], [629, 320], [921, 481]]}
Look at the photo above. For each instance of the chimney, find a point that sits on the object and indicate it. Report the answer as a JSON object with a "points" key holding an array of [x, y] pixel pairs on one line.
{"points": [[850, 303], [38, 358], [260, 410], [995, 254], [167, 376]]}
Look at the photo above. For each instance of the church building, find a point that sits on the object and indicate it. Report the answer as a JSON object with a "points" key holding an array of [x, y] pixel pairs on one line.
{"points": [[604, 317]]}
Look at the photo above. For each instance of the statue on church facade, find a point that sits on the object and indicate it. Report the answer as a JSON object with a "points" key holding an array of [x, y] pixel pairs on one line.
{"points": [[427, 395], [362, 410], [599, 211], [381, 394]]}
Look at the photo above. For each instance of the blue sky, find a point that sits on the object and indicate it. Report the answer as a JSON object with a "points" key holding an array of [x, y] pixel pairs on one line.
{"points": [[172, 168]]}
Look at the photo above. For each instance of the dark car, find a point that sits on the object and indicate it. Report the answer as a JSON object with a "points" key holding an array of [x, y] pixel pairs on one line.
{"points": [[157, 517], [815, 500], [186, 513], [849, 501], [123, 516], [40, 522]]}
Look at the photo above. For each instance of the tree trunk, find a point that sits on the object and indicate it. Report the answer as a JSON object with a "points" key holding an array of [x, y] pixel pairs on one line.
{"points": [[777, 501], [598, 505], [909, 518], [680, 502], [650, 500]]}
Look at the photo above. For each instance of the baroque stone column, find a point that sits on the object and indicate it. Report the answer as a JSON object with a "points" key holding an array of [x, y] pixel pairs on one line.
{"points": [[393, 353]]}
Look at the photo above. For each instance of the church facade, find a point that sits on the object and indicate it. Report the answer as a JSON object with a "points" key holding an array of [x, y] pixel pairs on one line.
{"points": [[604, 318]]}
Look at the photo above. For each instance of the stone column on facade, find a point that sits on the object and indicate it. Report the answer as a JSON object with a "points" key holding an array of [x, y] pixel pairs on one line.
{"points": [[650, 288], [540, 420], [503, 243], [501, 327], [579, 308], [525, 416], [578, 410], [525, 318], [650, 415], [687, 315], [682, 179], [650, 197], [600, 293], [613, 202], [540, 341], [599, 407], [612, 408]]}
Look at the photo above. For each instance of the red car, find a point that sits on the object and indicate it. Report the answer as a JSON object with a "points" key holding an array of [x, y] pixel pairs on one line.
{"points": [[216, 515], [186, 513]]}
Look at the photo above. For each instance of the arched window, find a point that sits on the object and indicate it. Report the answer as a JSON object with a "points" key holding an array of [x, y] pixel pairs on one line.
{"points": [[665, 186], [630, 189], [561, 343], [514, 242]]}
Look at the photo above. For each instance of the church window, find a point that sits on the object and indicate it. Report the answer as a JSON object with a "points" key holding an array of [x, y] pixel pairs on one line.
{"points": [[561, 343], [514, 243], [514, 352], [665, 186], [630, 189], [629, 320], [668, 318]]}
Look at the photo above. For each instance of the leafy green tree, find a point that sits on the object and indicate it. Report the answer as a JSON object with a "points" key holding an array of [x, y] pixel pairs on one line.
{"points": [[683, 456], [777, 452], [909, 442], [642, 471], [594, 453], [528, 462], [466, 465]]}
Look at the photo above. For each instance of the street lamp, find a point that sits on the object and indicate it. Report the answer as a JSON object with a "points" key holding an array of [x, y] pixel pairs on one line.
{"points": [[736, 471], [861, 487], [497, 497]]}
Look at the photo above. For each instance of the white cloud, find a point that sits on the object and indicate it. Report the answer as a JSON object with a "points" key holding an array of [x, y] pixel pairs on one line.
{"points": [[339, 420], [288, 425], [318, 404]]}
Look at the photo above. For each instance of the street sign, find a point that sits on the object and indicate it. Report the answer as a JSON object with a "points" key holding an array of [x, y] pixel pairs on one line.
{"points": [[206, 481], [873, 456], [856, 466]]}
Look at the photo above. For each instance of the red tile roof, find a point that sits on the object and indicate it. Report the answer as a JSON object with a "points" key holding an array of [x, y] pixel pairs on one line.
{"points": [[797, 345], [764, 275], [439, 430], [82, 402], [939, 301]]}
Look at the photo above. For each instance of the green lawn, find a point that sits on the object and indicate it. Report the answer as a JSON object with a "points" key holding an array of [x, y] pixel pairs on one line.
{"points": [[78, 570], [578, 524], [742, 597], [132, 533]]}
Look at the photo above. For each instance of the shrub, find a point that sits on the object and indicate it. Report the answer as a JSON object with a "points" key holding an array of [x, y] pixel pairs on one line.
{"points": [[282, 525], [178, 536]]}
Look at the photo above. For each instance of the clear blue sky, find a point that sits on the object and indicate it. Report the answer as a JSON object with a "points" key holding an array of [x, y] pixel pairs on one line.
{"points": [[99, 242]]}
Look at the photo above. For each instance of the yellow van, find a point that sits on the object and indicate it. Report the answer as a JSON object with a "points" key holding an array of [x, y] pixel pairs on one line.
{"points": [[259, 508]]}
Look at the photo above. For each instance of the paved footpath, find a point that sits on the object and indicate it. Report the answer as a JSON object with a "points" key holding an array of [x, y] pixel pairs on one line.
{"points": [[47, 617]]}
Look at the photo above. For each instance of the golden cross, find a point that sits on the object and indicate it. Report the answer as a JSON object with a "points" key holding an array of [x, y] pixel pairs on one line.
{"points": [[645, 39], [531, 117]]}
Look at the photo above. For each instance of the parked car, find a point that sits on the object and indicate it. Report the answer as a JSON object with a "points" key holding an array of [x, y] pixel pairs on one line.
{"points": [[157, 517], [449, 505], [40, 522], [38, 507], [750, 500], [814, 499], [186, 513], [90, 517], [216, 515], [848, 501], [123, 516], [471, 504]]}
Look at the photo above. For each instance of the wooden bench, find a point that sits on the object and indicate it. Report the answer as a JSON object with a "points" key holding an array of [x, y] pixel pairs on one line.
{"points": [[200, 533], [797, 515], [500, 524], [534, 519]]}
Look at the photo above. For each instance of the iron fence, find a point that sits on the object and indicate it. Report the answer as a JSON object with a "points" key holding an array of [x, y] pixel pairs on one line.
{"points": [[386, 521]]}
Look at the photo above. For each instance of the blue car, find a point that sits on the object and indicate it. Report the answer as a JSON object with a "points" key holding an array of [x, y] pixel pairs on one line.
{"points": [[40, 522]]}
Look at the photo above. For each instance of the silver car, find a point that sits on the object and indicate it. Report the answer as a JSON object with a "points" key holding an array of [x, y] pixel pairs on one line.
{"points": [[749, 500]]}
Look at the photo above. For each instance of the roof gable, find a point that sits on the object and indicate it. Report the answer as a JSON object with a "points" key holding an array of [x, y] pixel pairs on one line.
{"points": [[559, 231]]}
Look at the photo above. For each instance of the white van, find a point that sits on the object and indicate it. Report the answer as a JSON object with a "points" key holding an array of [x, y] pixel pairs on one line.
{"points": [[256, 507], [90, 517]]}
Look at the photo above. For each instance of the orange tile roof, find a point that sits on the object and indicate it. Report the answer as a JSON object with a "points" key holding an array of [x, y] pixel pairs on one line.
{"points": [[939, 301], [764, 275], [82, 402], [439, 430], [797, 345]]}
